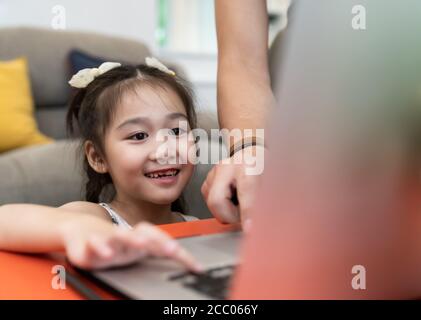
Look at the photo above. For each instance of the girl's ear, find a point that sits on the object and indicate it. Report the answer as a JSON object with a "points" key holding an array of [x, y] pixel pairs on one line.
{"points": [[94, 158]]}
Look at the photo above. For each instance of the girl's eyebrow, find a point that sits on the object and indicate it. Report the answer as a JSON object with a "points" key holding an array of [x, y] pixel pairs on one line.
{"points": [[176, 115], [146, 120]]}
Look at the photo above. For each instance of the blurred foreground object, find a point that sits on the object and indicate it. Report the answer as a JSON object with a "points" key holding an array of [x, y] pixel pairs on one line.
{"points": [[341, 183]]}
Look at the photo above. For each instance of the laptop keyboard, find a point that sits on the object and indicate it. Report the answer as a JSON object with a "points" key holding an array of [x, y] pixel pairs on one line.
{"points": [[213, 282]]}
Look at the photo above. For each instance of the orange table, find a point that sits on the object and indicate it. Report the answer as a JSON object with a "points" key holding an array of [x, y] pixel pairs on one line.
{"points": [[25, 276]]}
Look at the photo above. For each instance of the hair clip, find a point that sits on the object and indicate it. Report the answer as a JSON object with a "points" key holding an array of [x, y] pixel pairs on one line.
{"points": [[155, 63], [86, 76]]}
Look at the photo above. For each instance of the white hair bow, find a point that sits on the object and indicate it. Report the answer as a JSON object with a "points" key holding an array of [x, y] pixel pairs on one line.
{"points": [[155, 63], [86, 76]]}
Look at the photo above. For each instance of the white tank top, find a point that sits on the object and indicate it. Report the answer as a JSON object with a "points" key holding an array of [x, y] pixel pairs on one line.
{"points": [[120, 221]]}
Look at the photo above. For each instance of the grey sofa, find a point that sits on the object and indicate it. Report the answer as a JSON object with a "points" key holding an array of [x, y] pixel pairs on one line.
{"points": [[51, 174]]}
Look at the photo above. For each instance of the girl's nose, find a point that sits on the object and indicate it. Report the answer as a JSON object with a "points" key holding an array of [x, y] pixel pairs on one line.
{"points": [[165, 152]]}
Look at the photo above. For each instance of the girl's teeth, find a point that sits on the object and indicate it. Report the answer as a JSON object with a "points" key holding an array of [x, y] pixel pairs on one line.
{"points": [[164, 174]]}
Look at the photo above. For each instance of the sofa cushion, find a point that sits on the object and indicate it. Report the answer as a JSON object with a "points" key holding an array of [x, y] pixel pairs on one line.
{"points": [[17, 124], [80, 60], [52, 121], [48, 175]]}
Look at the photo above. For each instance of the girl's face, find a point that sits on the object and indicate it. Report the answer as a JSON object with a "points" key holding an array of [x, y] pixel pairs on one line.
{"points": [[147, 146]]}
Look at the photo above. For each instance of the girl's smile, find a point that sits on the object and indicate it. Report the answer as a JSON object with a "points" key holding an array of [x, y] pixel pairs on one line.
{"points": [[164, 177], [162, 173]]}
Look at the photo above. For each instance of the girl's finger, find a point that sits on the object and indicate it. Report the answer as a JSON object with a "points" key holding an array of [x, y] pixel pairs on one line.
{"points": [[161, 244], [129, 246], [100, 247], [124, 250], [131, 239], [184, 257]]}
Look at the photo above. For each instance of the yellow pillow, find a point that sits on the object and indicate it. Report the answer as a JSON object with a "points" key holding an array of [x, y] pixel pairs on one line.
{"points": [[17, 124]]}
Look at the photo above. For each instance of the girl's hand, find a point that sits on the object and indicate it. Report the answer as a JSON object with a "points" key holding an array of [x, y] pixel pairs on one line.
{"points": [[99, 244]]}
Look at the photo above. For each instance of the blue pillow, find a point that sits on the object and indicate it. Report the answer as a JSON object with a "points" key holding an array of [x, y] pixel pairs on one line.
{"points": [[80, 60]]}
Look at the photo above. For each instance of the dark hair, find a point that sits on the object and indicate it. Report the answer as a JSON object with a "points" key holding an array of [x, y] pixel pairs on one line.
{"points": [[93, 107]]}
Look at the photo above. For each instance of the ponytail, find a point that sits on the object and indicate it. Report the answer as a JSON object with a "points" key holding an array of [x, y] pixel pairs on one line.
{"points": [[73, 112]]}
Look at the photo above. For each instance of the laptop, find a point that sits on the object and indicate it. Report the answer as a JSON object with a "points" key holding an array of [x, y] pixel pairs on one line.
{"points": [[163, 279], [329, 199]]}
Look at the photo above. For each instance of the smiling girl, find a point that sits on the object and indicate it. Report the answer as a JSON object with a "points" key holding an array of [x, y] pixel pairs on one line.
{"points": [[122, 114]]}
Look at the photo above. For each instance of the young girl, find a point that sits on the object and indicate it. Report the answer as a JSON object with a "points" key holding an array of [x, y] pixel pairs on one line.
{"points": [[121, 113]]}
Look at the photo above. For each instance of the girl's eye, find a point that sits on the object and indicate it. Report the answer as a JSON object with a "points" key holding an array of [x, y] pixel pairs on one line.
{"points": [[177, 131], [139, 136]]}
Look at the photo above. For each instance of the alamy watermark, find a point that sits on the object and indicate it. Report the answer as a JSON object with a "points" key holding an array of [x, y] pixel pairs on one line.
{"points": [[58, 282], [58, 21], [359, 19], [200, 146], [359, 281]]}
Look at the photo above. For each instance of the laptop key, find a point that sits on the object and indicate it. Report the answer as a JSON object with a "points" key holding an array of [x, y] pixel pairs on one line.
{"points": [[213, 282]]}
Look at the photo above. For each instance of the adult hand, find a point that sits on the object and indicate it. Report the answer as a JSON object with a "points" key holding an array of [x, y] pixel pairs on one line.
{"points": [[228, 176]]}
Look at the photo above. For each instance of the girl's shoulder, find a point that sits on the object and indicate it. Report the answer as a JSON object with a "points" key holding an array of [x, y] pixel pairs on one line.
{"points": [[85, 207]]}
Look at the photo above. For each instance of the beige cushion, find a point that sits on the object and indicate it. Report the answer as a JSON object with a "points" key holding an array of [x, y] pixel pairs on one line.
{"points": [[45, 174]]}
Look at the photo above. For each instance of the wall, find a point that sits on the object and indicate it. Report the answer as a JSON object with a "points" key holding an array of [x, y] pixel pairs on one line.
{"points": [[134, 19], [129, 18]]}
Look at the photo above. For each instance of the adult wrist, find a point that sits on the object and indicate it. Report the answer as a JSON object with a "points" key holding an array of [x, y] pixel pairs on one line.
{"points": [[245, 143]]}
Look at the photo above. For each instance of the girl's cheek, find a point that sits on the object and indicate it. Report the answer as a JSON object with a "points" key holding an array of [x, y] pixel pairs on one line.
{"points": [[186, 151], [188, 172], [130, 158]]}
